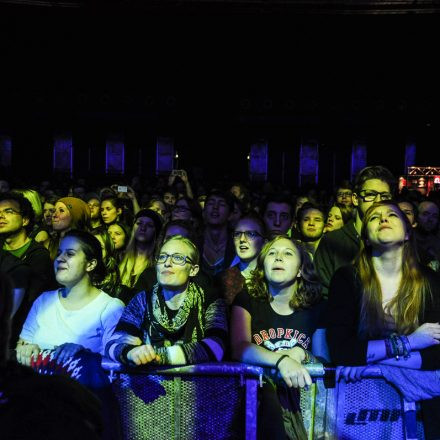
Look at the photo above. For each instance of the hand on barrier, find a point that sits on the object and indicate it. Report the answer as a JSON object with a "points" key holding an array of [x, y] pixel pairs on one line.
{"points": [[296, 353], [425, 336], [351, 374], [144, 354], [25, 352], [294, 374], [65, 351]]}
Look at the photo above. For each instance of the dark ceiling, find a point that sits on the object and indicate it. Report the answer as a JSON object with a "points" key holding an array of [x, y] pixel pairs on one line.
{"points": [[309, 63]]}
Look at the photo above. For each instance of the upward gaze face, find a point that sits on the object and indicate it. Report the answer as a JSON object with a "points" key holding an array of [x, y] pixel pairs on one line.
{"points": [[386, 227], [282, 263], [171, 275]]}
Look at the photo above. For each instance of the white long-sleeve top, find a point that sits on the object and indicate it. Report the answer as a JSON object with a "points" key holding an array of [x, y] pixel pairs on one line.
{"points": [[49, 324]]}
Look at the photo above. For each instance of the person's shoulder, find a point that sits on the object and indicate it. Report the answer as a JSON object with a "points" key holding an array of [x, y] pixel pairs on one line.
{"points": [[48, 295], [36, 247], [243, 299], [108, 299], [336, 236]]}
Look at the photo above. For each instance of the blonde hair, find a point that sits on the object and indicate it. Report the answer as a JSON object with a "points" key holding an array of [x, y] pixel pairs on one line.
{"points": [[34, 199], [194, 252], [409, 299]]}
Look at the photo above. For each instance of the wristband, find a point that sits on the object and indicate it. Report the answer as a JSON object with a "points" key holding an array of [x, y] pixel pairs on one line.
{"points": [[280, 359]]}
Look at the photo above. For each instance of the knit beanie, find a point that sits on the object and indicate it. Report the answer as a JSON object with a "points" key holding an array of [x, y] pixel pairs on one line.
{"points": [[79, 210], [157, 220]]}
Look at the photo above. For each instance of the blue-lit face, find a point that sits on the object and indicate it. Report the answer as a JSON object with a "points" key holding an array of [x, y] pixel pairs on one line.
{"points": [[144, 230], [277, 218], [216, 211], [70, 264], [248, 246]]}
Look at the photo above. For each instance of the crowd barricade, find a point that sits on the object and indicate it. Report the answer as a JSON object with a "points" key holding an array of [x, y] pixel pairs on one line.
{"points": [[219, 401], [204, 401]]}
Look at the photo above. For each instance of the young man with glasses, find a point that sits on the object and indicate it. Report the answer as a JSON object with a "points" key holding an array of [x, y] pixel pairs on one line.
{"points": [[343, 193], [338, 248], [16, 221]]}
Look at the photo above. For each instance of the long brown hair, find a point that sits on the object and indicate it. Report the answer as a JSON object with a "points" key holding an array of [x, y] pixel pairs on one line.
{"points": [[409, 299], [308, 291]]}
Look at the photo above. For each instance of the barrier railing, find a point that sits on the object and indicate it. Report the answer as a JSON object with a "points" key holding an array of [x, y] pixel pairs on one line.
{"points": [[219, 401]]}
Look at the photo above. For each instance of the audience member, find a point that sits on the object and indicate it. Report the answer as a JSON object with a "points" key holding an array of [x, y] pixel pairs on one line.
{"points": [[217, 247], [249, 236], [385, 309], [177, 322], [284, 294], [340, 247], [310, 223]]}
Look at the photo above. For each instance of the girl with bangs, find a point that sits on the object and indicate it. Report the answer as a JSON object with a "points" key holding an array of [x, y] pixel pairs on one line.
{"points": [[277, 323], [385, 308]]}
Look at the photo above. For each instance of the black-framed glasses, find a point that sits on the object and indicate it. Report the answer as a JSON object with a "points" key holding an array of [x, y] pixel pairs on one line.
{"points": [[371, 196], [178, 259], [250, 235]]}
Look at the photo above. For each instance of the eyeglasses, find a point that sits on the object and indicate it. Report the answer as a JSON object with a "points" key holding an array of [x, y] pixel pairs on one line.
{"points": [[178, 259], [371, 196], [344, 194], [9, 211], [250, 235]]}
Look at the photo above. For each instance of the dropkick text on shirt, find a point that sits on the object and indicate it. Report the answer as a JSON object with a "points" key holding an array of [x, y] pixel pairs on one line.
{"points": [[280, 338]]}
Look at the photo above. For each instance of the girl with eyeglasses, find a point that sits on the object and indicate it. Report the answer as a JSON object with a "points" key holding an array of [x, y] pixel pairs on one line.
{"points": [[249, 237], [177, 322]]}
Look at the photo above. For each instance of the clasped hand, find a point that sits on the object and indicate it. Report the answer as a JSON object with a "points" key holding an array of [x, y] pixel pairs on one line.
{"points": [[425, 336], [294, 374], [143, 354], [24, 353]]}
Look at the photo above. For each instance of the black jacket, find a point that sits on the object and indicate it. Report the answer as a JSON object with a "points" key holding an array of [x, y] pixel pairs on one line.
{"points": [[336, 249]]}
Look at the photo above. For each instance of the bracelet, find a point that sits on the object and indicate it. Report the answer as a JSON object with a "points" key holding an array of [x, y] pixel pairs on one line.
{"points": [[388, 348], [406, 346], [280, 359], [163, 354], [307, 359], [393, 339]]}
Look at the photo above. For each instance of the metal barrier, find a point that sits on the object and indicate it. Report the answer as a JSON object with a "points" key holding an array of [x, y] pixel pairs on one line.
{"points": [[205, 401], [219, 401], [369, 409]]}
